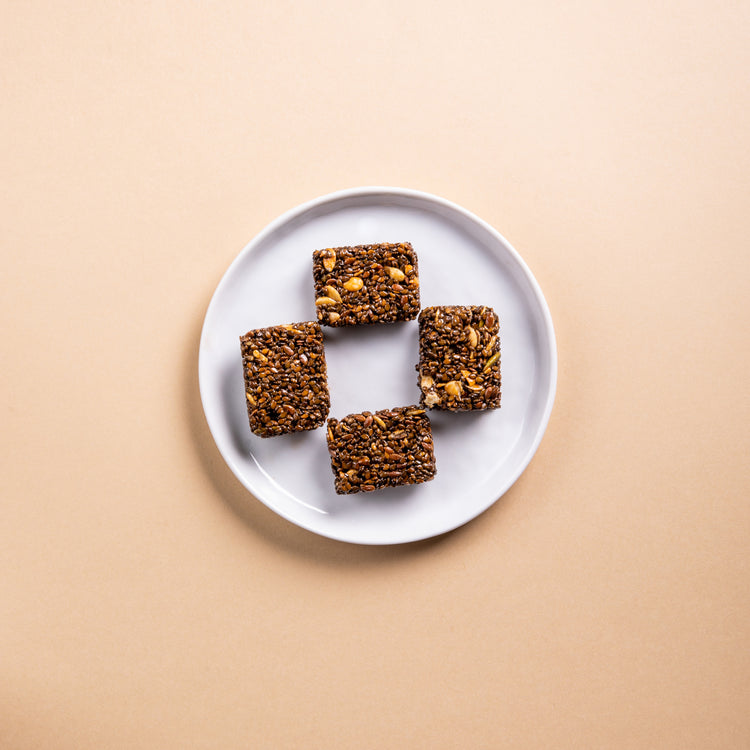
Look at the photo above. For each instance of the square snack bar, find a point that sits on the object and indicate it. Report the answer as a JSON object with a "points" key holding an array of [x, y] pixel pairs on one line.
{"points": [[366, 284], [388, 448], [459, 358], [285, 378]]}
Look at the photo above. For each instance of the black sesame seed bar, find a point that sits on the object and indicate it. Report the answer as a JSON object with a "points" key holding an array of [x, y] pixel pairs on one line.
{"points": [[285, 378], [388, 448], [366, 284], [459, 358]]}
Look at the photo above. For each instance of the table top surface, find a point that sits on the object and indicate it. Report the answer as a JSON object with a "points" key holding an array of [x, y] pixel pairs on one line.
{"points": [[149, 601]]}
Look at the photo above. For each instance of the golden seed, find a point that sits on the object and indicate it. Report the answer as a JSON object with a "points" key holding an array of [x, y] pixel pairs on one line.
{"points": [[251, 399], [379, 422], [414, 412], [473, 337], [426, 383], [333, 294], [453, 388], [258, 355], [354, 284], [333, 317], [408, 268], [491, 361], [329, 261], [395, 273], [325, 301], [414, 282], [490, 345], [330, 434]]}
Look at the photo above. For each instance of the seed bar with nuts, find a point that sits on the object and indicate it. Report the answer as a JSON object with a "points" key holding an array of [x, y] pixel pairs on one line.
{"points": [[459, 358], [285, 378], [385, 449], [366, 284]]}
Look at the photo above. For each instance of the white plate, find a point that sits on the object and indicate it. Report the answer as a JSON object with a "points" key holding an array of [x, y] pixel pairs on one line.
{"points": [[462, 261]]}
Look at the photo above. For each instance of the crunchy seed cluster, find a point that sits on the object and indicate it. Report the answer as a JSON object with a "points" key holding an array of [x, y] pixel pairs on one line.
{"points": [[365, 284], [459, 358], [285, 378], [388, 448]]}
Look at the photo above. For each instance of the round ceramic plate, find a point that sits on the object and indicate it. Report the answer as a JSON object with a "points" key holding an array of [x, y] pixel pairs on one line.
{"points": [[462, 261]]}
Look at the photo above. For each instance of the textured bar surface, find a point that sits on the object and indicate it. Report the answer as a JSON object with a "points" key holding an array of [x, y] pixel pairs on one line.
{"points": [[285, 378], [388, 448], [459, 358], [365, 284]]}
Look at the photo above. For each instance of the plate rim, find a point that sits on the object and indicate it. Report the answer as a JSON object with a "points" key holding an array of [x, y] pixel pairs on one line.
{"points": [[418, 195]]}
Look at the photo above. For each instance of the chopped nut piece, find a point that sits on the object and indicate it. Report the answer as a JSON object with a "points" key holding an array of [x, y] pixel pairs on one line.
{"points": [[329, 260], [325, 301], [453, 388], [333, 294], [431, 399], [354, 284], [395, 273]]}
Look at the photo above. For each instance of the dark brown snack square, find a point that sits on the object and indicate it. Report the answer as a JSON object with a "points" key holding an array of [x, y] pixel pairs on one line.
{"points": [[365, 284], [459, 358], [285, 378], [385, 449]]}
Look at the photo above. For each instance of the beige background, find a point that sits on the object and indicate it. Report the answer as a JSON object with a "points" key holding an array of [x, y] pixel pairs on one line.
{"points": [[147, 601]]}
